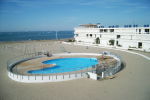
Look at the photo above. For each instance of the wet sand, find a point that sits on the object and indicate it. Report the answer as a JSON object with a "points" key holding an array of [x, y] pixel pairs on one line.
{"points": [[132, 83]]}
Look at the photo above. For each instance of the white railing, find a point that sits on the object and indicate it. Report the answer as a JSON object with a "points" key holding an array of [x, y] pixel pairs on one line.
{"points": [[62, 76], [112, 69], [53, 77]]}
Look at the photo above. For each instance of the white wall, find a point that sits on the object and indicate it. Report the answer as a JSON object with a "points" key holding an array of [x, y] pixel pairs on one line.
{"points": [[146, 46], [128, 36], [141, 37], [104, 42], [126, 43]]}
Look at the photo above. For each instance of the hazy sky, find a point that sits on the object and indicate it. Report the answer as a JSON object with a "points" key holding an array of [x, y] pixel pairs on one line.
{"points": [[34, 15]]}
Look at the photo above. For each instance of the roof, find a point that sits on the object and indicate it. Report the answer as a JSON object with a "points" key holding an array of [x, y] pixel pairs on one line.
{"points": [[89, 25]]}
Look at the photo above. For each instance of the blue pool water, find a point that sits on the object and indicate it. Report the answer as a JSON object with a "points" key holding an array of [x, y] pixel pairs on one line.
{"points": [[66, 65]]}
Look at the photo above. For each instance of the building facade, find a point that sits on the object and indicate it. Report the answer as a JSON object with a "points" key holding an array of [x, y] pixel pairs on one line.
{"points": [[127, 37]]}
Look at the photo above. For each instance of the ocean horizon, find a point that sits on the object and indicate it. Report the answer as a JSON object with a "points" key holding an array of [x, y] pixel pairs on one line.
{"points": [[35, 35]]}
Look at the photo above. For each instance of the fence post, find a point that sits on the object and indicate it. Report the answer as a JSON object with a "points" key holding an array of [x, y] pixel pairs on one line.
{"points": [[69, 75], [42, 76], [63, 76], [75, 74], [28, 77], [17, 76], [13, 75], [35, 77], [9, 73], [102, 75], [20, 77]]}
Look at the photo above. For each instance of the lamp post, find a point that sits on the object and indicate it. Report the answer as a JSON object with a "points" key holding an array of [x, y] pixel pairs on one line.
{"points": [[56, 36]]}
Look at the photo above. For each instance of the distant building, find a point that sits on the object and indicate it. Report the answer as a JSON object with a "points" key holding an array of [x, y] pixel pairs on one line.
{"points": [[128, 37]]}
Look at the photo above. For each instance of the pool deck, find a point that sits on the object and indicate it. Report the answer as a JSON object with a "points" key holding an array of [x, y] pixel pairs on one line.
{"points": [[132, 83], [35, 64]]}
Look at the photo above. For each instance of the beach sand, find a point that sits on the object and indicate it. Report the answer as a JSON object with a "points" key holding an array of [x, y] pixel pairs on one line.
{"points": [[132, 83]]}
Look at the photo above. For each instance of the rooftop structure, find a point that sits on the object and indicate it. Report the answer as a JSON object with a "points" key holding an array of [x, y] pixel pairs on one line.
{"points": [[89, 25]]}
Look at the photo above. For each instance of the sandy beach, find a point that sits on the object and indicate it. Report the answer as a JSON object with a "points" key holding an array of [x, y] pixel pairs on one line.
{"points": [[132, 83]]}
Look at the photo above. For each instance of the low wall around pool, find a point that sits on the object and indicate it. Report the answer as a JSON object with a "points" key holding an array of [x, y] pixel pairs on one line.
{"points": [[56, 77], [43, 78]]}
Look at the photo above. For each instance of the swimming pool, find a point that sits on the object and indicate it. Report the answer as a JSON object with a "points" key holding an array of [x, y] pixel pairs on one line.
{"points": [[66, 65]]}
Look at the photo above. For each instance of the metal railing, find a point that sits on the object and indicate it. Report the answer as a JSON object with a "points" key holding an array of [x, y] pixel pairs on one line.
{"points": [[110, 70]]}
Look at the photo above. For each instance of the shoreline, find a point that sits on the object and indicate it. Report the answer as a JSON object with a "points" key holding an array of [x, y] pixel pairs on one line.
{"points": [[22, 41]]}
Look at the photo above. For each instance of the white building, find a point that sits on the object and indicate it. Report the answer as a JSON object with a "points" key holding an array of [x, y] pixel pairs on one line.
{"points": [[120, 37]]}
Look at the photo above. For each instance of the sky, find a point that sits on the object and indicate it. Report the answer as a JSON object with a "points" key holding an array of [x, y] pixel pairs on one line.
{"points": [[48, 15]]}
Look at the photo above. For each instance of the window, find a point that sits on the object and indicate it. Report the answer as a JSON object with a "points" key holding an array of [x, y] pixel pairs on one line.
{"points": [[105, 30], [97, 40], [139, 31], [101, 30], [146, 30], [117, 43], [87, 35], [136, 30], [140, 45], [90, 35], [118, 36], [111, 30]]}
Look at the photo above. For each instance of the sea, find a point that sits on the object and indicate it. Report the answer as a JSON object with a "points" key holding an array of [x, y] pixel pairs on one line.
{"points": [[35, 35]]}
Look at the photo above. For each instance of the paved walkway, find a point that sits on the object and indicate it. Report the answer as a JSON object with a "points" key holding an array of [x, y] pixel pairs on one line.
{"points": [[132, 83], [145, 55]]}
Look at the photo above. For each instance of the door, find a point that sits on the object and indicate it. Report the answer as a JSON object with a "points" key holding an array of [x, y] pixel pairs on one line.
{"points": [[140, 45]]}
